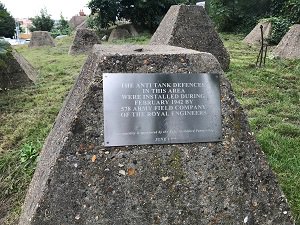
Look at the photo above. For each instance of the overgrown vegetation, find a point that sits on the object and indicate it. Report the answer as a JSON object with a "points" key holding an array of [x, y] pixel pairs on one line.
{"points": [[280, 26], [62, 28], [241, 16], [5, 54], [26, 117], [42, 22], [147, 14], [269, 95], [142, 39], [237, 16], [4, 47]]}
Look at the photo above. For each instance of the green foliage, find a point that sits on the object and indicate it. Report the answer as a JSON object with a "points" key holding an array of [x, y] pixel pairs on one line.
{"points": [[291, 11], [285, 13], [237, 16], [4, 46], [288, 9], [92, 22], [220, 14], [146, 14], [279, 28], [7, 23], [29, 152], [142, 39], [242, 15], [62, 28], [5, 54], [105, 12], [42, 22], [270, 97], [27, 115], [276, 6]]}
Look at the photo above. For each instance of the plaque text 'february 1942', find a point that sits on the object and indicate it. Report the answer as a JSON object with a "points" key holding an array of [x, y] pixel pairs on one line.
{"points": [[143, 108]]}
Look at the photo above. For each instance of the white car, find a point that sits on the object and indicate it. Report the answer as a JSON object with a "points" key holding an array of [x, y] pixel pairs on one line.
{"points": [[201, 3]]}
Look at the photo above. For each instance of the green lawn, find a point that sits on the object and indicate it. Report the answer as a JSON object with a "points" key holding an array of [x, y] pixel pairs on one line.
{"points": [[27, 116], [269, 95]]}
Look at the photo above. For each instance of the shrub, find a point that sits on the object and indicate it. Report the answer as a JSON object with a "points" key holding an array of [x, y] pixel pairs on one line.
{"points": [[279, 28]]}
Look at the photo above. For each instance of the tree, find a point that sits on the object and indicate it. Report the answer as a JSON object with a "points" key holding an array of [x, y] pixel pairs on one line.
{"points": [[147, 14], [63, 26], [238, 15], [42, 22], [284, 13], [291, 11], [7, 23]]}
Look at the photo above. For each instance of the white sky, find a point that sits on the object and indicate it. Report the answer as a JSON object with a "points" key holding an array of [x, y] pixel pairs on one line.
{"points": [[32, 8]]}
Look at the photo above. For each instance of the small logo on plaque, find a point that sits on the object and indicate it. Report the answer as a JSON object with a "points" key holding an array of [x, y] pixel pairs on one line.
{"points": [[146, 108]]}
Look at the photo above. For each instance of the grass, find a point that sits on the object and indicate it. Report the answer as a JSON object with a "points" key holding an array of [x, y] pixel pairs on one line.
{"points": [[269, 95], [26, 117], [142, 39]]}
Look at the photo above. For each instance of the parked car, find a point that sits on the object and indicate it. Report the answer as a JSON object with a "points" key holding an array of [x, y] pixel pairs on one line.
{"points": [[201, 3], [61, 36]]}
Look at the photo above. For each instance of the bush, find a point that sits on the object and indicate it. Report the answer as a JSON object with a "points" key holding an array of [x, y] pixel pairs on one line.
{"points": [[291, 10], [279, 28], [237, 16], [146, 14], [43, 22], [5, 54]]}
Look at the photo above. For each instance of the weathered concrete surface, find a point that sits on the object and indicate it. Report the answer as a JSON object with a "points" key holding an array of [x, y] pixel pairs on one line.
{"points": [[131, 29], [41, 38], [118, 33], [75, 21], [79, 181], [15, 70], [254, 37], [83, 25], [190, 27], [84, 41], [289, 46]]}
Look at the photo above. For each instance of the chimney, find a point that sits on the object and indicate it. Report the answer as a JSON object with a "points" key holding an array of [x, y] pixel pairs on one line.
{"points": [[81, 13]]}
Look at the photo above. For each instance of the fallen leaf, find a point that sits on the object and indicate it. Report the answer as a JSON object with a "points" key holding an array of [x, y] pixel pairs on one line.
{"points": [[131, 171]]}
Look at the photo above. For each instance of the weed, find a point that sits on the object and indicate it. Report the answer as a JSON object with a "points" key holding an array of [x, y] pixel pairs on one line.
{"points": [[29, 152]]}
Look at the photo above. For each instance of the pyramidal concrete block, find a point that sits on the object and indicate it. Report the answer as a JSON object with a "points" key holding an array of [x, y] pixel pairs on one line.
{"points": [[190, 27], [118, 34], [254, 37], [15, 70], [288, 47], [41, 38], [83, 42], [75, 21], [80, 181]]}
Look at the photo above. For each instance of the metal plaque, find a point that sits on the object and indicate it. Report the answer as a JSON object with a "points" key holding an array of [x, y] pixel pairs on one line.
{"points": [[155, 108]]}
